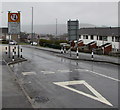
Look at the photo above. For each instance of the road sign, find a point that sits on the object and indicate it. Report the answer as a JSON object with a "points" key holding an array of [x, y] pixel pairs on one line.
{"points": [[13, 17], [14, 23], [73, 27]]}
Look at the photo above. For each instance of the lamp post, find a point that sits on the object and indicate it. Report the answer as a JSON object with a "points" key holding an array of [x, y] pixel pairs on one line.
{"points": [[9, 41]]}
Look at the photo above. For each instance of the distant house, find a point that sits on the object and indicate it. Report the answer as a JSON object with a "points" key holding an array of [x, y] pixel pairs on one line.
{"points": [[102, 35], [4, 33]]}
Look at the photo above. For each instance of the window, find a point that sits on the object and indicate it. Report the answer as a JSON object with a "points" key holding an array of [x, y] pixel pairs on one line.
{"points": [[105, 38], [85, 36], [100, 37], [79, 36], [112, 38], [97, 37], [91, 37], [117, 39]]}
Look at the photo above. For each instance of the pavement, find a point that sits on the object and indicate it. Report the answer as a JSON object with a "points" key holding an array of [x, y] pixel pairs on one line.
{"points": [[12, 94], [82, 56]]}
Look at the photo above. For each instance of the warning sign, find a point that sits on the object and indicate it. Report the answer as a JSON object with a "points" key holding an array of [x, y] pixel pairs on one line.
{"points": [[13, 17]]}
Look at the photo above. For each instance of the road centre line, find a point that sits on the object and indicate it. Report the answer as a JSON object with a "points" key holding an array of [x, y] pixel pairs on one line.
{"points": [[66, 71], [104, 76]]}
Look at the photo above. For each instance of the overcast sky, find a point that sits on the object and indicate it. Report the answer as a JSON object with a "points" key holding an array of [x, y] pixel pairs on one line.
{"points": [[97, 13]]}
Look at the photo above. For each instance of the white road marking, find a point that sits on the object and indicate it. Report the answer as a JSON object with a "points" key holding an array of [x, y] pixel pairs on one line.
{"points": [[98, 97], [67, 71], [104, 75], [47, 72], [64, 71], [80, 69], [28, 73], [99, 74]]}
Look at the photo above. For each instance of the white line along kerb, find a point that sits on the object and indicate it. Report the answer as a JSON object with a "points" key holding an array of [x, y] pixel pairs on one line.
{"points": [[98, 97]]}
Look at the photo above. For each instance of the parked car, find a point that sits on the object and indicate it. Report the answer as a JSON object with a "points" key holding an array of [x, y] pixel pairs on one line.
{"points": [[34, 43], [12, 42]]}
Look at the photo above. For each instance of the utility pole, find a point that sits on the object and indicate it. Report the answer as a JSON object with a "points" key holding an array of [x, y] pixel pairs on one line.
{"points": [[56, 27], [32, 27]]}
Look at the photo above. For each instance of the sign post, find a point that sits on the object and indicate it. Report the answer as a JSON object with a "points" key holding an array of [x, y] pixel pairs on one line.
{"points": [[73, 27], [13, 26]]}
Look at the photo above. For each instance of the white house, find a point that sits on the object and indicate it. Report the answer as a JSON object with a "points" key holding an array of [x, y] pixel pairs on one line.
{"points": [[101, 35]]}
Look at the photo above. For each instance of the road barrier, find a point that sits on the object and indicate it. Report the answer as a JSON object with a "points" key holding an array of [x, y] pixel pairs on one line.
{"points": [[13, 57], [15, 50], [62, 50], [92, 55], [6, 50], [77, 53], [21, 53]]}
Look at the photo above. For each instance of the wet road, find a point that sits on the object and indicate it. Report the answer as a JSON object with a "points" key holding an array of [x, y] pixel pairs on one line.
{"points": [[54, 82]]}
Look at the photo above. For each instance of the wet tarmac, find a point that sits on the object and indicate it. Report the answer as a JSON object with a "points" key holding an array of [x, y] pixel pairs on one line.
{"points": [[86, 84]]}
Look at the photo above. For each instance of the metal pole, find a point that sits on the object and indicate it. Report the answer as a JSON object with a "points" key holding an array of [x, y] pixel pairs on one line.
{"points": [[77, 39], [18, 47], [32, 26], [70, 48], [9, 47], [56, 27]]}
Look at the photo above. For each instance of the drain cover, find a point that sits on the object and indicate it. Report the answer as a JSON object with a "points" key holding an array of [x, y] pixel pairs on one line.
{"points": [[41, 99], [2, 63]]}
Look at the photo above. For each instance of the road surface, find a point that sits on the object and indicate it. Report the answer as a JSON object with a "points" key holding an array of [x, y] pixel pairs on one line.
{"points": [[54, 82]]}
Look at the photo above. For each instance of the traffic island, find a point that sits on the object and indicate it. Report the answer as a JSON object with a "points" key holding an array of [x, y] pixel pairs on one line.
{"points": [[16, 59], [73, 57]]}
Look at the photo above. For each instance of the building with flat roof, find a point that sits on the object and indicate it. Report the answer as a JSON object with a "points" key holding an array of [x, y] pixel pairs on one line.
{"points": [[4, 33]]}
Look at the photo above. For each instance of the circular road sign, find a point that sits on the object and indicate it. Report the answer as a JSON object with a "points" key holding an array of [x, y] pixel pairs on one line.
{"points": [[13, 17]]}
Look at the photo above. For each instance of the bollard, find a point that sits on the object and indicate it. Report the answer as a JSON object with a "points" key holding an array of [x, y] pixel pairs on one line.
{"points": [[6, 50], [15, 50], [21, 53], [77, 53], [13, 58], [62, 50], [92, 55]]}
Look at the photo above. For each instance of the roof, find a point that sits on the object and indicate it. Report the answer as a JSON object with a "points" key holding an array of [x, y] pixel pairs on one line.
{"points": [[4, 30], [101, 31]]}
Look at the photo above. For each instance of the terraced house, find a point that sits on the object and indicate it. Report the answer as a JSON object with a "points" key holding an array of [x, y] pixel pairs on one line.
{"points": [[102, 36]]}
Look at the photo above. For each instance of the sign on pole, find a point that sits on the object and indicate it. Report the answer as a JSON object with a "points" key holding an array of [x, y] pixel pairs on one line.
{"points": [[14, 23], [73, 27]]}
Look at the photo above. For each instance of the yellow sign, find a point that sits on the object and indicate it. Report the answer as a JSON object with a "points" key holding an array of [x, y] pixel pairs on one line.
{"points": [[13, 17]]}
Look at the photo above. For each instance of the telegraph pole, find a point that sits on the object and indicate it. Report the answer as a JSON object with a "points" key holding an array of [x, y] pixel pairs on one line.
{"points": [[32, 27], [56, 27]]}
